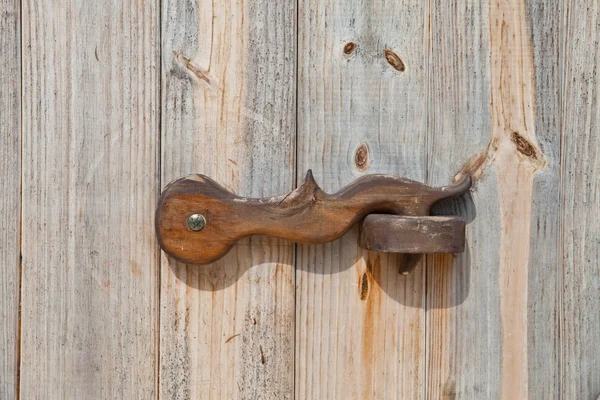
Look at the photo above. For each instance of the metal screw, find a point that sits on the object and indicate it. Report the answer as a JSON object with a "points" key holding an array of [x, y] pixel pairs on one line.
{"points": [[196, 222]]}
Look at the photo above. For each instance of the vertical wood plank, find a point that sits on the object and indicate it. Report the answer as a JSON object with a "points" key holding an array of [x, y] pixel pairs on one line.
{"points": [[229, 112], [362, 109], [464, 333], [10, 195], [580, 319], [90, 261], [517, 158], [543, 303], [485, 334]]}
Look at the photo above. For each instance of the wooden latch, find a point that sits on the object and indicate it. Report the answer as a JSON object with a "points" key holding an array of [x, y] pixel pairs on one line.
{"points": [[198, 220]]}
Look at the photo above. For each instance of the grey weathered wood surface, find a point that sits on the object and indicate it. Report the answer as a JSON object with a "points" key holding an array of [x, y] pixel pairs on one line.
{"points": [[514, 316], [10, 196], [579, 241], [464, 337], [359, 324], [227, 330], [545, 370], [545, 264], [516, 186], [90, 259]]}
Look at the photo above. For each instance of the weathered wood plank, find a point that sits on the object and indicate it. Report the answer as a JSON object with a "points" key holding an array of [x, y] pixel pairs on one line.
{"points": [[464, 337], [517, 158], [10, 195], [362, 108], [543, 303], [580, 181], [90, 260], [513, 239], [229, 112]]}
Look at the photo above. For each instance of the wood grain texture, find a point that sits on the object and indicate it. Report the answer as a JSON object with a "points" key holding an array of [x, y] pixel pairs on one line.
{"points": [[90, 260], [580, 200], [229, 113], [464, 333], [504, 90], [306, 215], [517, 159], [513, 238], [362, 108], [543, 303], [10, 196]]}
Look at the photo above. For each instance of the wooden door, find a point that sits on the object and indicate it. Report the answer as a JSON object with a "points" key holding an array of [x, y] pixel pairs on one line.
{"points": [[103, 103]]}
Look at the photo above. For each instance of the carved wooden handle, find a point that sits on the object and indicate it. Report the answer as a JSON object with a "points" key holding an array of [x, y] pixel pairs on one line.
{"points": [[198, 220]]}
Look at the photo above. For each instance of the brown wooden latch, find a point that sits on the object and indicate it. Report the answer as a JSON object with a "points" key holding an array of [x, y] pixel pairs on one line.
{"points": [[198, 220]]}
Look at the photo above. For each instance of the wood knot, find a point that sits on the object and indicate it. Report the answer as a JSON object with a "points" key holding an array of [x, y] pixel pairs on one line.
{"points": [[524, 146], [395, 61], [196, 71], [361, 158], [528, 150], [349, 48]]}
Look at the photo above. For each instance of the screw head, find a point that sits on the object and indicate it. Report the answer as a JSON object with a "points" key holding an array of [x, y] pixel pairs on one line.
{"points": [[196, 222]]}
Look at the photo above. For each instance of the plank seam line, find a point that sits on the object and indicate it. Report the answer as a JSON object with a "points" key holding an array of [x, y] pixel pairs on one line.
{"points": [[564, 19], [158, 177], [426, 259], [295, 180], [20, 261]]}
